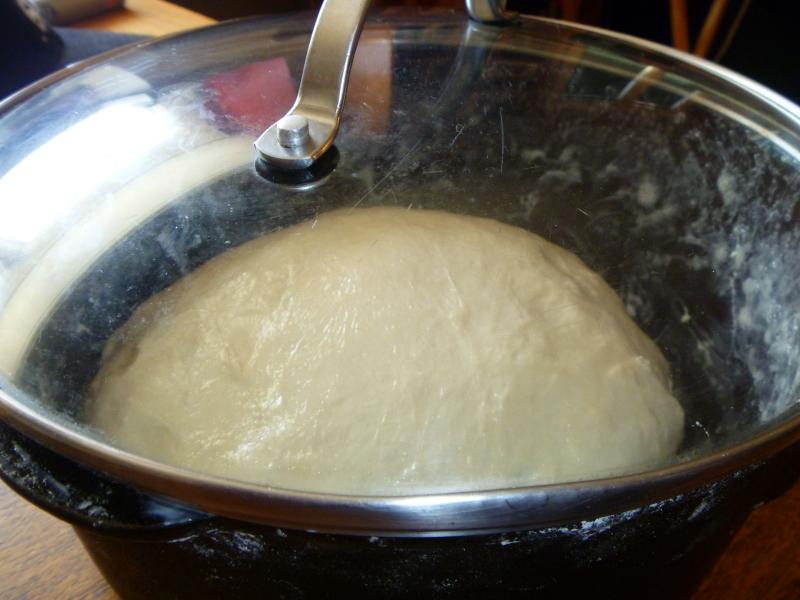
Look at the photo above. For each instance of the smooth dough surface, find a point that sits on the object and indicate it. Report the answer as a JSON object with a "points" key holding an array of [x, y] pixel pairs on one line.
{"points": [[390, 351]]}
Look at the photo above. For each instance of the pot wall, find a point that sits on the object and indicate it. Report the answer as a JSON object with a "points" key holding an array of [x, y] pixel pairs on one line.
{"points": [[152, 548]]}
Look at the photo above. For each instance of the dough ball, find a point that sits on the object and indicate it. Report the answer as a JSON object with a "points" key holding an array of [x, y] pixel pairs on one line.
{"points": [[390, 351]]}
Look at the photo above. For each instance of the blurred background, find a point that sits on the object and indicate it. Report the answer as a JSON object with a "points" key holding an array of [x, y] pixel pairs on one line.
{"points": [[755, 37]]}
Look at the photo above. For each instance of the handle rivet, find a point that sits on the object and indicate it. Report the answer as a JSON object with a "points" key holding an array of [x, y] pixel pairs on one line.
{"points": [[292, 131]]}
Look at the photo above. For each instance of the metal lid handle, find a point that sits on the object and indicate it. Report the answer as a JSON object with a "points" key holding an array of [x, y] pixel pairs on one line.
{"points": [[302, 136]]}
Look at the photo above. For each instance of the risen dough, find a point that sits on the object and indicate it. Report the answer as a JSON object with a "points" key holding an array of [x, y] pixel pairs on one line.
{"points": [[390, 351]]}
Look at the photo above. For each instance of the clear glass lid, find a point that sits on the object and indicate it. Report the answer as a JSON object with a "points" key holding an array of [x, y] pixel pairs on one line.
{"points": [[673, 179]]}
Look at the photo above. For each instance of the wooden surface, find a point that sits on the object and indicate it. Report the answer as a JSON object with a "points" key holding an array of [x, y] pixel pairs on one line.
{"points": [[147, 17], [763, 560], [40, 557]]}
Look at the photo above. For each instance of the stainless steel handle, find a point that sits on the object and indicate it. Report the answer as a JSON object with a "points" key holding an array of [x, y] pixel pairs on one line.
{"points": [[306, 132], [303, 135]]}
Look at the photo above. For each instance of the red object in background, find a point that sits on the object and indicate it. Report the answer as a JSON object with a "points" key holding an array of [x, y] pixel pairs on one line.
{"points": [[255, 95], [258, 94]]}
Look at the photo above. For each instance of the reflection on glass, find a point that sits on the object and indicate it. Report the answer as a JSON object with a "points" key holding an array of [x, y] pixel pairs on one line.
{"points": [[70, 167]]}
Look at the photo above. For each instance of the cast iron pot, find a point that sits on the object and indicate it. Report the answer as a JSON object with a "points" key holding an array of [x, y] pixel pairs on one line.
{"points": [[150, 547], [674, 179]]}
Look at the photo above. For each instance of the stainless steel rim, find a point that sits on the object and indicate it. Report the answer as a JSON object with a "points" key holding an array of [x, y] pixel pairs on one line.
{"points": [[433, 515], [422, 515]]}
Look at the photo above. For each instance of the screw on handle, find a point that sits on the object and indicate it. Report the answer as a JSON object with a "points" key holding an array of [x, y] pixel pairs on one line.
{"points": [[293, 131]]}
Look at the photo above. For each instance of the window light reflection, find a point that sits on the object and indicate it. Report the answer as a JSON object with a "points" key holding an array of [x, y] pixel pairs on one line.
{"points": [[55, 178]]}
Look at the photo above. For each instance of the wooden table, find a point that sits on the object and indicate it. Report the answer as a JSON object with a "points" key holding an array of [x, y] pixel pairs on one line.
{"points": [[41, 558], [147, 17]]}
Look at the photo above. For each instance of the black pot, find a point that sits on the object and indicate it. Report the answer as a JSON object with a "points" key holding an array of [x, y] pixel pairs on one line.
{"points": [[151, 547]]}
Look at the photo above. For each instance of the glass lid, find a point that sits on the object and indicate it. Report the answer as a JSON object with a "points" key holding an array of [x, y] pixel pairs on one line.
{"points": [[674, 180]]}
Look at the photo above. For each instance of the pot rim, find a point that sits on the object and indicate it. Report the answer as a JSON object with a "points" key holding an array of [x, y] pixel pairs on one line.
{"points": [[423, 515], [455, 513]]}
